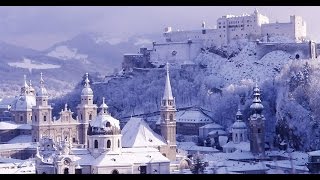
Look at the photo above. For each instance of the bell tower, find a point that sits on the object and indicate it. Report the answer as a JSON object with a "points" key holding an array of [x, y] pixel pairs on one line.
{"points": [[41, 112], [168, 118], [86, 111]]}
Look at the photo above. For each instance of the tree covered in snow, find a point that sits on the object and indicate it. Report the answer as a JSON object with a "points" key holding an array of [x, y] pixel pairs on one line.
{"points": [[198, 165]]}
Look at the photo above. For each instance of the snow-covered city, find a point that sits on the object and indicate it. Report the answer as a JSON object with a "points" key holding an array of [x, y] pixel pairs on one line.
{"points": [[239, 94]]}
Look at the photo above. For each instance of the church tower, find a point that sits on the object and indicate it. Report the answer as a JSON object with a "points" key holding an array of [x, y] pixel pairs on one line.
{"points": [[86, 111], [104, 134], [168, 118], [41, 112], [257, 124]]}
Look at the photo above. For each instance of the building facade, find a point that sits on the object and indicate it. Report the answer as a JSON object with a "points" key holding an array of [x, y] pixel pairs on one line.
{"points": [[66, 127]]}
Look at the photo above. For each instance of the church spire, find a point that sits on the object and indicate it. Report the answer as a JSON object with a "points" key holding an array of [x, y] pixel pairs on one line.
{"points": [[167, 90]]}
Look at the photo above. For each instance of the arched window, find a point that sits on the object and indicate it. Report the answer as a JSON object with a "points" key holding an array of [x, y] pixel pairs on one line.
{"points": [[44, 118], [21, 118], [35, 118], [108, 124], [90, 117], [118, 142], [241, 138], [81, 116], [96, 144], [115, 171], [108, 144], [171, 117], [66, 171], [44, 173]]}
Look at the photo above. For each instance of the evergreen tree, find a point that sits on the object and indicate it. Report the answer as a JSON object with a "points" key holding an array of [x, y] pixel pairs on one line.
{"points": [[197, 166]]}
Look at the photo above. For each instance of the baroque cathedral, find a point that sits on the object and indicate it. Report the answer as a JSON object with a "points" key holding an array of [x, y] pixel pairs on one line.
{"points": [[93, 143]]}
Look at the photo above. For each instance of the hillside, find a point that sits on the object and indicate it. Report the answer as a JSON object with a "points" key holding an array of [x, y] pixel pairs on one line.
{"points": [[219, 85]]}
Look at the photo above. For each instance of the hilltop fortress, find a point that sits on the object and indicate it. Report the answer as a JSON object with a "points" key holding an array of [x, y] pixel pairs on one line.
{"points": [[183, 47]]}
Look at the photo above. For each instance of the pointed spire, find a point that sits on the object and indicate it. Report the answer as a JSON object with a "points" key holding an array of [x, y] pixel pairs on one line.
{"points": [[65, 107], [167, 89], [87, 81], [30, 84]]}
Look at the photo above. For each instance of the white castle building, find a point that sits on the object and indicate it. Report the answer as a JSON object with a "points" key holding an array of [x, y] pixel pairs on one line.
{"points": [[184, 46], [231, 27]]}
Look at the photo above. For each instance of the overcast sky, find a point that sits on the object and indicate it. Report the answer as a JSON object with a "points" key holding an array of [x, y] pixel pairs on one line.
{"points": [[40, 26]]}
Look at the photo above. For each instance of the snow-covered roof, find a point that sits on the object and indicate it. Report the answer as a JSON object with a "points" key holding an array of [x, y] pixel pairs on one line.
{"points": [[220, 132], [21, 139], [133, 54], [24, 102], [239, 155], [102, 119], [4, 147], [192, 116], [6, 102], [213, 126], [137, 133], [9, 125], [191, 146], [244, 146], [314, 153]]}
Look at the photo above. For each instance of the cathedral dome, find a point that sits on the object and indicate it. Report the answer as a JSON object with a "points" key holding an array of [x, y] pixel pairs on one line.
{"points": [[87, 91], [105, 123], [23, 103]]}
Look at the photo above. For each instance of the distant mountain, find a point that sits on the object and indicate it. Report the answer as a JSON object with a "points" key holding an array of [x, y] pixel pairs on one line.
{"points": [[99, 52], [65, 62]]}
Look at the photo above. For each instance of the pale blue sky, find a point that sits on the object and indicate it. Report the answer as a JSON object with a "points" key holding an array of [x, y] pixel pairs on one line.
{"points": [[39, 27]]}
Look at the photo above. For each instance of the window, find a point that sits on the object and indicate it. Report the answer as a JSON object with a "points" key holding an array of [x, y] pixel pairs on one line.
{"points": [[108, 144], [171, 117], [118, 142], [35, 118], [108, 124], [21, 118], [81, 116], [95, 144], [78, 171], [143, 169], [115, 171], [90, 117], [259, 130], [44, 118], [66, 171], [74, 140]]}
